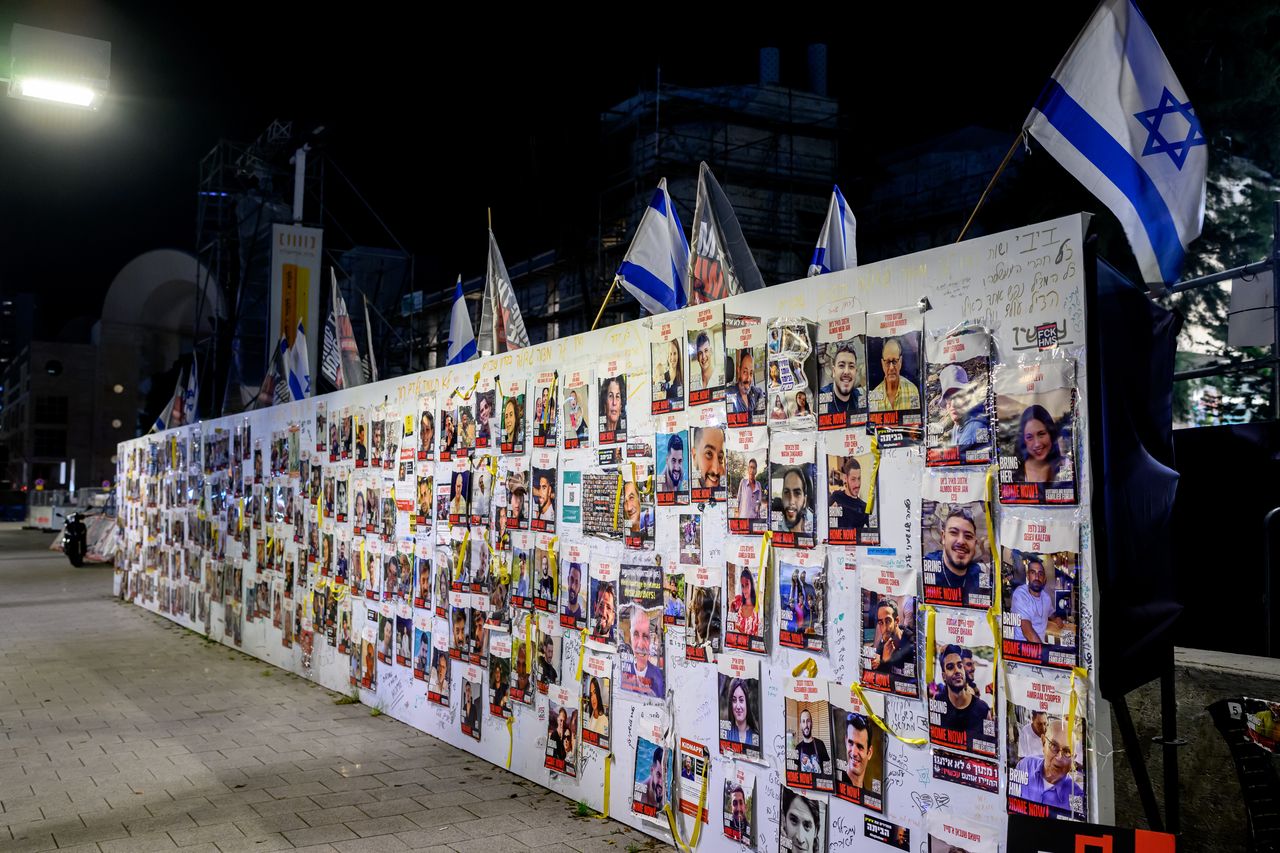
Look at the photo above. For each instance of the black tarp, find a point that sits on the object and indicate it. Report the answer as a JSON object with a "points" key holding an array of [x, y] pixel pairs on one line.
{"points": [[1131, 349]]}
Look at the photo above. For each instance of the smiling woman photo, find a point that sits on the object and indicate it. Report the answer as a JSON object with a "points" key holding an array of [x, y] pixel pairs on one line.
{"points": [[1038, 446]]}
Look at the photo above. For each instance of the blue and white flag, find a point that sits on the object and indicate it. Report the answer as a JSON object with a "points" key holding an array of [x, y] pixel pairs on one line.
{"points": [[837, 247], [297, 366], [1115, 117], [462, 340], [191, 395], [653, 269], [171, 414]]}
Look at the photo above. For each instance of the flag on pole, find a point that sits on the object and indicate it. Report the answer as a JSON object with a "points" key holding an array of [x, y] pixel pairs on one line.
{"points": [[297, 365], [372, 363], [191, 393], [330, 352], [462, 341], [501, 323], [171, 414], [275, 389], [837, 247], [1115, 116], [720, 264], [654, 267]]}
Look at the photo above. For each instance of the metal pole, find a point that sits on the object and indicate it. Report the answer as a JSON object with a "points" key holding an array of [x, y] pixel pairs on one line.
{"points": [[1275, 306]]}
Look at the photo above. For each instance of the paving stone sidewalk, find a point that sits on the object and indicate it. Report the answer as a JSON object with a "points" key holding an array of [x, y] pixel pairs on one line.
{"points": [[122, 732]]}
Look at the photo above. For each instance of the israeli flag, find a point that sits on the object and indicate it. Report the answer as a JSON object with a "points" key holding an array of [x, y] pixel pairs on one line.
{"points": [[653, 269], [1115, 117], [297, 366], [462, 340], [837, 247]]}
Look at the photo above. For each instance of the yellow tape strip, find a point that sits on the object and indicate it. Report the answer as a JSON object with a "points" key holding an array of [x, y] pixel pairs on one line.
{"points": [[364, 564], [995, 612], [766, 539], [319, 511], [1076, 671], [462, 555], [467, 395], [930, 649], [809, 665], [242, 515], [555, 569], [530, 628], [582, 653], [697, 819], [617, 501], [862, 697], [604, 813], [875, 476], [511, 740]]}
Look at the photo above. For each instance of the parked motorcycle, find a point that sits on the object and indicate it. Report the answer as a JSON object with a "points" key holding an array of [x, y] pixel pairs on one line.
{"points": [[75, 539]]}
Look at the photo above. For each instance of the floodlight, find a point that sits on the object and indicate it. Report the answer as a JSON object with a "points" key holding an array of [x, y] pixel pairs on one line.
{"points": [[46, 65]]}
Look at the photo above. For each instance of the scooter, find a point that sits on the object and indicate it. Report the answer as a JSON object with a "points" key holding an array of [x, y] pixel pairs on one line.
{"points": [[75, 539]]}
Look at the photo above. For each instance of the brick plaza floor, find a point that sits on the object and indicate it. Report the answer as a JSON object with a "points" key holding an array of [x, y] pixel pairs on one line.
{"points": [[121, 732]]}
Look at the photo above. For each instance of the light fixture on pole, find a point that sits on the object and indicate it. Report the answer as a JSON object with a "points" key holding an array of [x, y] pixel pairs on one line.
{"points": [[46, 65]]}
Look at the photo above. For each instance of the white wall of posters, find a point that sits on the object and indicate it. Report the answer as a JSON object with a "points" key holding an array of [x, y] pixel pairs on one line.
{"points": [[816, 557]]}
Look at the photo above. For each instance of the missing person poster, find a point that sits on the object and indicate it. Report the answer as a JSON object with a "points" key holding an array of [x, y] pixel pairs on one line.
{"points": [[710, 481], [562, 731], [666, 367], [577, 409], [695, 770], [1035, 433], [808, 721], [792, 504], [651, 785], [500, 675], [603, 603], [460, 492], [450, 436], [1040, 562], [640, 647], [745, 598], [962, 683], [1044, 747], [321, 428], [802, 598], [958, 402], [483, 482], [522, 579], [740, 806], [674, 607], [951, 831], [485, 400], [601, 504], [745, 396], [546, 570], [859, 749], [426, 487], [550, 645], [637, 516], [426, 443], [671, 444], [438, 683], [472, 701], [792, 375], [853, 514], [421, 645], [890, 656], [542, 508], [522, 657], [705, 339], [690, 539], [842, 375], [803, 825], [612, 402], [741, 735], [895, 365], [954, 539], [597, 699], [511, 429], [702, 637], [746, 463], [546, 409], [573, 592]]}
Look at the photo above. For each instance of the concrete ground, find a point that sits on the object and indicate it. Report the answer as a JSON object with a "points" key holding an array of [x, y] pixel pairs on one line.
{"points": [[122, 732]]}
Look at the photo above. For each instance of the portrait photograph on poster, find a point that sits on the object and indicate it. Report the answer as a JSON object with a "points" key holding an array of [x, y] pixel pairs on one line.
{"points": [[842, 376], [746, 464], [597, 699], [562, 731], [954, 539], [739, 807], [577, 410], [958, 400], [859, 750], [1035, 432], [1044, 743], [546, 409], [894, 369], [962, 683], [511, 427], [651, 790], [705, 347], [807, 716], [792, 502], [603, 602], [672, 450], [852, 467], [710, 483], [612, 420], [802, 597], [891, 637], [740, 719], [702, 637], [666, 389], [803, 826], [1040, 563]]}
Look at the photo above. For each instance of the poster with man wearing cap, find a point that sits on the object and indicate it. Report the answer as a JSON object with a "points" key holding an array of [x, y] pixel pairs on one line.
{"points": [[958, 404]]}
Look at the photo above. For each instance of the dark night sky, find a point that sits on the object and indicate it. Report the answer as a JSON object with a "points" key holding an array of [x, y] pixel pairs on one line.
{"points": [[436, 122]]}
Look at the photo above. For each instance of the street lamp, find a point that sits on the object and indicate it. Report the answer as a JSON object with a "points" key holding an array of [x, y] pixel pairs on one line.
{"points": [[46, 65]]}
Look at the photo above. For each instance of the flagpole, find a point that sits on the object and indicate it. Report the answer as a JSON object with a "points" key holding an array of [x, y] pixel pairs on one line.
{"points": [[605, 303], [1003, 163]]}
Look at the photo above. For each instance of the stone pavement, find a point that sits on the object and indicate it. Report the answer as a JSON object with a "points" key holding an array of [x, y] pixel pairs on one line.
{"points": [[121, 732]]}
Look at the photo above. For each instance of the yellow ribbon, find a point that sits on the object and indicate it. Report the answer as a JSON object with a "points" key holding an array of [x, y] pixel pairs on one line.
{"points": [[462, 555], [582, 652], [242, 515], [617, 501], [319, 511], [862, 697], [645, 490], [608, 761], [469, 391], [930, 650], [555, 568], [765, 539], [1071, 705], [511, 740], [995, 612], [364, 565], [530, 628], [875, 475], [809, 665], [697, 818]]}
